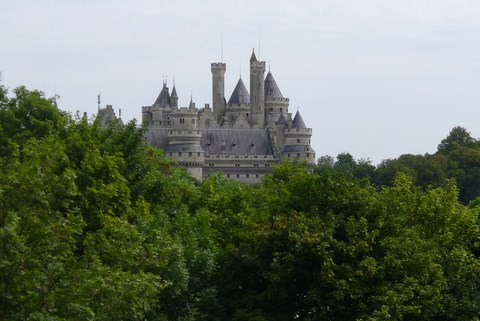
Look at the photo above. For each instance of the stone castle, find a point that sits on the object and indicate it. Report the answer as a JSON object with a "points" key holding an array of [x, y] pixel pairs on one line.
{"points": [[241, 138]]}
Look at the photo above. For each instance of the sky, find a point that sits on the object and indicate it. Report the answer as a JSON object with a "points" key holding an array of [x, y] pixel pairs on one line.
{"points": [[373, 78]]}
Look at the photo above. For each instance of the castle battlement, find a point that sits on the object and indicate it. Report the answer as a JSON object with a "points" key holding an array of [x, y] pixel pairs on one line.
{"points": [[298, 131]]}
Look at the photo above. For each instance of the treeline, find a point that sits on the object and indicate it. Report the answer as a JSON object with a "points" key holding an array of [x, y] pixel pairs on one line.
{"points": [[457, 157], [97, 225]]}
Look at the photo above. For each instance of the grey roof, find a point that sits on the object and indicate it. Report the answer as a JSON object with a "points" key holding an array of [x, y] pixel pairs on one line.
{"points": [[174, 92], [239, 141], [239, 95], [163, 98], [157, 137], [253, 57], [271, 88], [298, 121], [236, 141]]}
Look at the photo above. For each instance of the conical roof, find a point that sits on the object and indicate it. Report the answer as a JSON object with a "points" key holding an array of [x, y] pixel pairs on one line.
{"points": [[239, 95], [271, 88], [253, 57], [174, 92], [298, 121], [192, 104], [163, 98]]}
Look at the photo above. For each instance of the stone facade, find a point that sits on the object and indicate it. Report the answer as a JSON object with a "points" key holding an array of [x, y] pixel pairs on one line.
{"points": [[241, 138]]}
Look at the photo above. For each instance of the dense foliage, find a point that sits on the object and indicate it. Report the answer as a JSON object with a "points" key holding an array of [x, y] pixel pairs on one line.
{"points": [[457, 157], [97, 225]]}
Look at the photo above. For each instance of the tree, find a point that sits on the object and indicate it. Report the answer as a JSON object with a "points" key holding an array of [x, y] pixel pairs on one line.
{"points": [[458, 136]]}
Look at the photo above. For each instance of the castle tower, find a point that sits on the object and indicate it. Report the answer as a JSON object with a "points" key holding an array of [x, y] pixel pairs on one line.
{"points": [[275, 103], [238, 106], [184, 140], [257, 92], [297, 141], [218, 90]]}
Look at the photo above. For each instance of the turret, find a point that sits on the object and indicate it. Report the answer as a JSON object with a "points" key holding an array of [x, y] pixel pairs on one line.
{"points": [[297, 141], [257, 92], [218, 89], [238, 106], [184, 140], [275, 103]]}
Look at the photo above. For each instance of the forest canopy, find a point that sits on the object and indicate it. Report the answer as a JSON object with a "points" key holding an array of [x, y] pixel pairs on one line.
{"points": [[97, 225]]}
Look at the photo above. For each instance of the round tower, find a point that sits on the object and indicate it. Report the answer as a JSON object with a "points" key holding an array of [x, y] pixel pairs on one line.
{"points": [[275, 103], [184, 141], [257, 92], [297, 141], [218, 89]]}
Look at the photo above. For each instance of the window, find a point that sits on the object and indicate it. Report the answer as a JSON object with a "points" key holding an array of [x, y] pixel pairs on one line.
{"points": [[298, 140], [238, 175], [193, 121], [256, 175], [179, 153], [237, 165], [248, 175], [182, 121], [190, 154], [298, 155], [228, 175]]}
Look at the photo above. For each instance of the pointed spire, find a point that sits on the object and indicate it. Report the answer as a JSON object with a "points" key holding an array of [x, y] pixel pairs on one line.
{"points": [[298, 121], [271, 87], [192, 104], [174, 92], [253, 57], [239, 95]]}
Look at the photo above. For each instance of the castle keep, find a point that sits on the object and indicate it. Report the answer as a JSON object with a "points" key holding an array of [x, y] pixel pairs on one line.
{"points": [[242, 138]]}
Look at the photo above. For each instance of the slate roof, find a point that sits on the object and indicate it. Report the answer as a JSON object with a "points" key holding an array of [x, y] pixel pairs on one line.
{"points": [[298, 121], [163, 98], [271, 88], [157, 136], [240, 94], [253, 57], [236, 141], [239, 141], [174, 92]]}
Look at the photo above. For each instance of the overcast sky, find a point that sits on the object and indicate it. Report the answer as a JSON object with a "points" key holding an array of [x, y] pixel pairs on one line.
{"points": [[375, 78]]}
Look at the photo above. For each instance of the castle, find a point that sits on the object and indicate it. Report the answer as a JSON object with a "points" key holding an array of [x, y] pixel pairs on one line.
{"points": [[241, 138]]}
